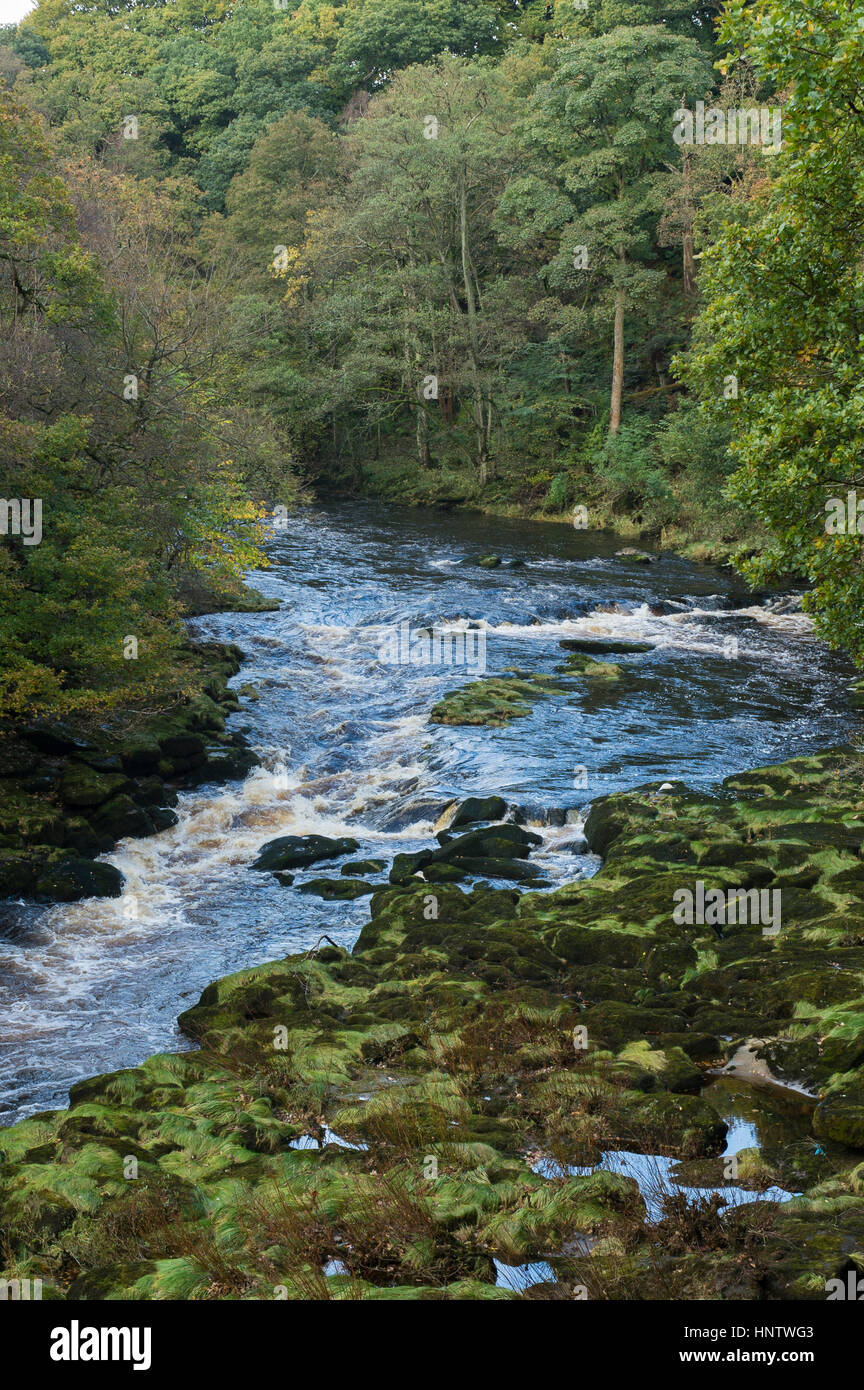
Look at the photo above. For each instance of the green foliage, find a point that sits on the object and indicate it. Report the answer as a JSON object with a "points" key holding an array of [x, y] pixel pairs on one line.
{"points": [[348, 230], [782, 313], [133, 485]]}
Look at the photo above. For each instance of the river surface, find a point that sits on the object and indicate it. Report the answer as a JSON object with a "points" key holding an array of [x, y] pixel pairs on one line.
{"points": [[731, 681]]}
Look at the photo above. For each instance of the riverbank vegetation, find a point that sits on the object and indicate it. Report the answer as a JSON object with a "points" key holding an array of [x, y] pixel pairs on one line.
{"points": [[434, 251], [425, 1117]]}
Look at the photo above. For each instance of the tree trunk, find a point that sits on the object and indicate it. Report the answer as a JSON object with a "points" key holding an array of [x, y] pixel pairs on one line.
{"points": [[473, 338], [688, 255], [617, 364], [422, 437]]}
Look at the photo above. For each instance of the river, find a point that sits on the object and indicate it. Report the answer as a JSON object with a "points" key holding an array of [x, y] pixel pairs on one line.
{"points": [[730, 682]]}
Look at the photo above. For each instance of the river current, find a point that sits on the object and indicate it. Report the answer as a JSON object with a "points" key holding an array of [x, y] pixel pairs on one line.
{"points": [[731, 681]]}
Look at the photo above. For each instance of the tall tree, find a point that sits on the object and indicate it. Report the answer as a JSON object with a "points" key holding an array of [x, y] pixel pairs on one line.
{"points": [[603, 125], [784, 288]]}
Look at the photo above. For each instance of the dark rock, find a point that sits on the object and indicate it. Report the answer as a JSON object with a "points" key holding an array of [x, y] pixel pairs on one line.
{"points": [[140, 754], [337, 889], [102, 762], [295, 851], [17, 874], [151, 791], [17, 759], [52, 736], [516, 869], [81, 837], [182, 745], [477, 808], [360, 867], [81, 785], [71, 879], [224, 765], [605, 646], [120, 817]]}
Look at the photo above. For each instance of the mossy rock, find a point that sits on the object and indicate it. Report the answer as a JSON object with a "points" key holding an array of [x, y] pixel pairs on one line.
{"points": [[839, 1116], [337, 889], [359, 868], [71, 879], [479, 808], [80, 785], [18, 873], [121, 817], [604, 646], [616, 1024], [494, 701], [296, 851], [580, 664]]}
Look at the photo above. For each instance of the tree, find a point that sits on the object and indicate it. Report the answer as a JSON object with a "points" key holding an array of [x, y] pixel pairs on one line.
{"points": [[604, 126], [782, 318], [405, 262]]}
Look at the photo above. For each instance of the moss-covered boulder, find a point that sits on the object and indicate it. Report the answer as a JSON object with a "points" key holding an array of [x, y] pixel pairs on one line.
{"points": [[71, 879], [296, 851]]}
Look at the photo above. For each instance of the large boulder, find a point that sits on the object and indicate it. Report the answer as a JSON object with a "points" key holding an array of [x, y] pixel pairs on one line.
{"points": [[71, 879], [120, 817], [80, 785], [17, 873], [477, 808], [295, 851], [53, 736]]}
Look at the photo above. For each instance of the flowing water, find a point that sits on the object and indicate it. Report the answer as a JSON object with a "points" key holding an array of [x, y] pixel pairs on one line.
{"points": [[729, 682]]}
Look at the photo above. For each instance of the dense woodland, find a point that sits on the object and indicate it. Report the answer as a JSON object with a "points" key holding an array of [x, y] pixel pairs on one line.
{"points": [[426, 249]]}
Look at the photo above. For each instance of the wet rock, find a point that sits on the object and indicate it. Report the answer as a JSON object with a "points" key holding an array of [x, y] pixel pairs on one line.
{"points": [[295, 851], [17, 758], [516, 869], [140, 754], [479, 808], [120, 817], [636, 557], [71, 879], [337, 889], [53, 736], [443, 873], [580, 664], [605, 646], [223, 764], [81, 785], [359, 868], [182, 745], [81, 837], [102, 761], [494, 701], [152, 791], [839, 1116], [17, 873]]}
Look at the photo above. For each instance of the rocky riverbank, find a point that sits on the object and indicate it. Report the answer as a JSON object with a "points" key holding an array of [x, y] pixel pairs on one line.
{"points": [[68, 794], [498, 1091]]}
